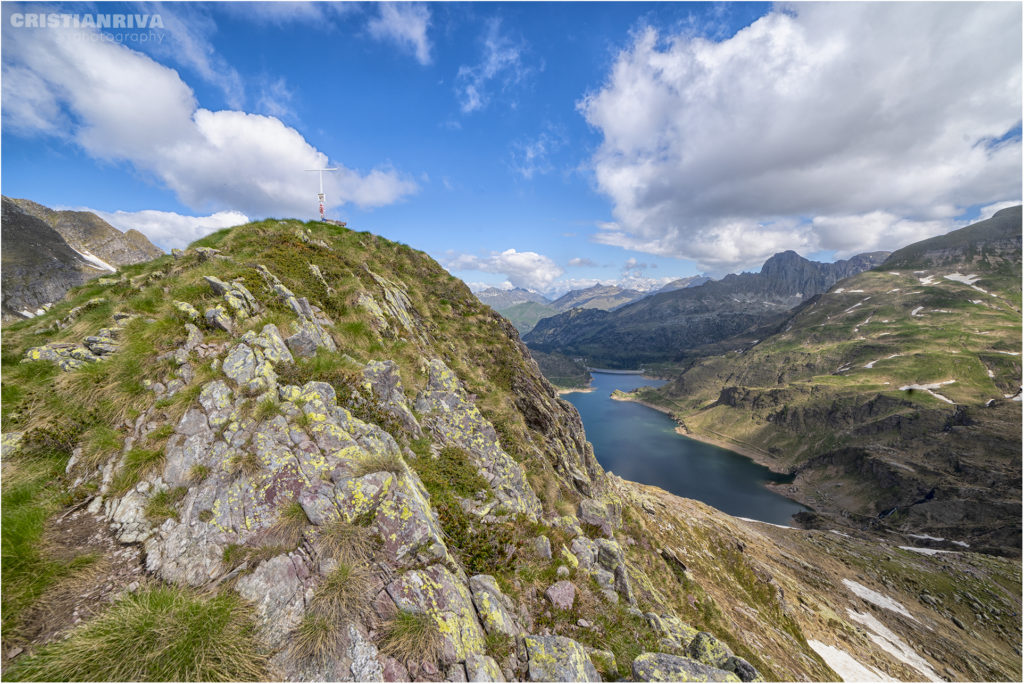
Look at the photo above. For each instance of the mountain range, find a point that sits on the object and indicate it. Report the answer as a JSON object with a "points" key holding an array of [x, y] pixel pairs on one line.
{"points": [[524, 308], [894, 397], [663, 327], [48, 252]]}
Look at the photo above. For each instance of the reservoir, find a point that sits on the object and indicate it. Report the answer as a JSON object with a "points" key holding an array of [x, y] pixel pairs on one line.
{"points": [[640, 444]]}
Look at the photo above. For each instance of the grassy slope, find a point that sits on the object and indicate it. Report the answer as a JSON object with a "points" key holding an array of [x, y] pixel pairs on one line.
{"points": [[832, 377]]}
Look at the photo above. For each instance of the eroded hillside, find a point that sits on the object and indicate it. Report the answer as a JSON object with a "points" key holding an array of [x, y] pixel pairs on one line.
{"points": [[299, 452]]}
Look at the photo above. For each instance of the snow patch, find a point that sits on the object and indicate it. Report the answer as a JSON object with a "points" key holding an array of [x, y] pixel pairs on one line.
{"points": [[926, 536], [844, 665], [960, 543], [1007, 353], [860, 291], [914, 312], [785, 527], [928, 280], [893, 645], [965, 279], [880, 600], [929, 389], [927, 552], [893, 273], [94, 261], [975, 301], [839, 290], [27, 314], [990, 373], [979, 289]]}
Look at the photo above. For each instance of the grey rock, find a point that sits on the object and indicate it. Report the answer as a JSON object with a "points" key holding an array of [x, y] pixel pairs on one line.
{"points": [[277, 591], [561, 594], [558, 659], [662, 667], [596, 512], [542, 547], [482, 668], [496, 610]]}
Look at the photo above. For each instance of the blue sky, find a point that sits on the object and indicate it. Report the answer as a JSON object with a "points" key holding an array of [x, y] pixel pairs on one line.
{"points": [[545, 145]]}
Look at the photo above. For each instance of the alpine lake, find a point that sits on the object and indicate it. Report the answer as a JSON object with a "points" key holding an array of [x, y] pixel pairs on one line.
{"points": [[641, 444]]}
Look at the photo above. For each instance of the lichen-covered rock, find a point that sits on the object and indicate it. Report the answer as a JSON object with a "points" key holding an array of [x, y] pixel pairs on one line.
{"points": [[675, 634], [558, 659], [439, 593], [187, 310], [306, 339], [238, 298], [542, 547], [101, 345], [217, 318], [67, 356], [456, 421], [494, 608], [11, 443], [187, 554], [407, 525], [662, 667], [585, 551], [611, 558], [709, 650], [482, 668], [250, 369], [270, 342], [596, 512], [385, 384], [561, 594]]}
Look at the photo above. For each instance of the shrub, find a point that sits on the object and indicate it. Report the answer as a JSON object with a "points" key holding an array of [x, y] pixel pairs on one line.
{"points": [[159, 634]]}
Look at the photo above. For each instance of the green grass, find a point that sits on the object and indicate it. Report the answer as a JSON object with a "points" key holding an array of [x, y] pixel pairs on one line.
{"points": [[158, 634], [290, 525], [137, 464], [345, 542], [164, 504], [383, 461]]}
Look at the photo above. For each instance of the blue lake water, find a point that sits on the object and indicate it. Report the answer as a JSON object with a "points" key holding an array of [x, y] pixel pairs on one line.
{"points": [[641, 444]]}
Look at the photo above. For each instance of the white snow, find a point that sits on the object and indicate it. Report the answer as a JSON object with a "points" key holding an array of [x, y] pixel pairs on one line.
{"points": [[893, 645], [914, 312], [839, 290], [27, 314], [845, 665], [927, 552], [874, 597], [960, 543], [1007, 353], [979, 289], [893, 273], [840, 534], [861, 291], [871, 364], [929, 387], [895, 289], [785, 527], [975, 301], [965, 279], [990, 373], [927, 280], [926, 536], [95, 261]]}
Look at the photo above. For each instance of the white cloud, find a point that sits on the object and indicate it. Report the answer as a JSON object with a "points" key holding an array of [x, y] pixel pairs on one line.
{"points": [[500, 66], [821, 126], [275, 99], [523, 269], [581, 262], [531, 157], [167, 229], [120, 105], [404, 24]]}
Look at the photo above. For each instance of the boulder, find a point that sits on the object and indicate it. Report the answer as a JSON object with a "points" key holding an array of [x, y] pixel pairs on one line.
{"points": [[558, 659], [709, 650], [596, 512], [482, 668], [561, 594], [494, 608], [662, 667]]}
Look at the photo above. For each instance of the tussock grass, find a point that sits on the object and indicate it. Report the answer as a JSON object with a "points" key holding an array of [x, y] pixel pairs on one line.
{"points": [[245, 463], [316, 638], [343, 593], [291, 523], [387, 462], [345, 542], [198, 473], [158, 634], [268, 408], [411, 636], [99, 443]]}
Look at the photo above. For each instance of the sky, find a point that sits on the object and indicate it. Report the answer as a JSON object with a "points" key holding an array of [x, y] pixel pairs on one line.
{"points": [[540, 145]]}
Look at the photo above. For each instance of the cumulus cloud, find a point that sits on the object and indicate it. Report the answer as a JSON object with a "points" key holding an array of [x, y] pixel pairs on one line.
{"points": [[120, 105], [167, 229], [821, 126], [501, 66], [523, 269], [404, 24]]}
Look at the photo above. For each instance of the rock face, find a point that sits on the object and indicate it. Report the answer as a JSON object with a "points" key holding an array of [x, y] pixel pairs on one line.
{"points": [[663, 327], [46, 253], [558, 659], [661, 667]]}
